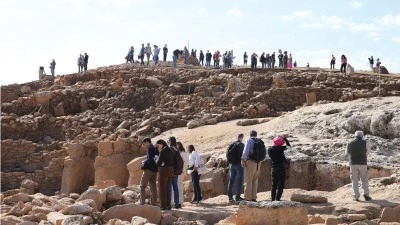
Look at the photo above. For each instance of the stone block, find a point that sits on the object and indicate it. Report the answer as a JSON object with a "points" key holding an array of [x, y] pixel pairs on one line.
{"points": [[308, 197], [272, 213], [135, 171], [59, 109], [390, 215], [311, 97], [76, 150], [43, 98], [128, 211], [105, 148], [119, 146]]}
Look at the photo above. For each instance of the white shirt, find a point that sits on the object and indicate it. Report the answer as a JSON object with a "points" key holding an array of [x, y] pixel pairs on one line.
{"points": [[194, 159], [185, 158]]}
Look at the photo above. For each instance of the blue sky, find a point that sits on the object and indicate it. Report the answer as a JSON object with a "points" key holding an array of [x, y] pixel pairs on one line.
{"points": [[35, 32]]}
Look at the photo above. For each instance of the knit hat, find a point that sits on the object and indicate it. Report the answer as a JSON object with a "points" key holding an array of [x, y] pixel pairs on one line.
{"points": [[359, 134], [278, 141]]}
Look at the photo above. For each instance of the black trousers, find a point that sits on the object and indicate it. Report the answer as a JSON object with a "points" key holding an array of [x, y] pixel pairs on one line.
{"points": [[165, 57], [343, 68], [141, 60], [202, 62], [278, 182]]}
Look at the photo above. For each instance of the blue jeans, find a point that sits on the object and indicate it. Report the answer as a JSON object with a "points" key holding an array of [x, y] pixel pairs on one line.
{"points": [[196, 186], [185, 61], [52, 71], [174, 185], [174, 61], [235, 170]]}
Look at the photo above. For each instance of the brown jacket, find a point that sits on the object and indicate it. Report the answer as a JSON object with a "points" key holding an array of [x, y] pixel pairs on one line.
{"points": [[166, 158]]}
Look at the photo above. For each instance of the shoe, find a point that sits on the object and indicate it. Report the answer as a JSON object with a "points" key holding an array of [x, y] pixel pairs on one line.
{"points": [[367, 198], [178, 206], [169, 208], [239, 199], [199, 202], [254, 200], [193, 201], [164, 208], [356, 199], [230, 199]]}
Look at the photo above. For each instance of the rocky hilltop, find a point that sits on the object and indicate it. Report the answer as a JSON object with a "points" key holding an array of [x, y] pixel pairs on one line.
{"points": [[70, 147]]}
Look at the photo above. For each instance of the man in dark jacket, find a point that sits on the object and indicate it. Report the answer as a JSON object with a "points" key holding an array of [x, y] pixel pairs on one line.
{"points": [[280, 58], [235, 168], [165, 51], [201, 58], [85, 61], [175, 56], [273, 60], [149, 175], [278, 161], [208, 59], [357, 150]]}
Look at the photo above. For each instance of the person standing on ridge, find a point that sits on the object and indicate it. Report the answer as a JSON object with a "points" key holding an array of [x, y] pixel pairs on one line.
{"points": [[165, 52], [278, 161], [175, 56], [378, 62], [208, 59], [245, 57], [371, 62], [149, 175], [344, 64], [289, 62], [155, 55], [273, 60], [268, 60], [148, 53], [201, 57], [141, 55], [129, 57], [285, 60], [85, 61], [358, 149], [262, 60], [280, 58], [333, 61], [254, 152], [52, 67], [185, 55], [80, 63], [233, 155]]}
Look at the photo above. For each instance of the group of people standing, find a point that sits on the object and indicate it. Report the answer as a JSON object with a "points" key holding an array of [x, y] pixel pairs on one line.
{"points": [[268, 61], [82, 62], [172, 162]]}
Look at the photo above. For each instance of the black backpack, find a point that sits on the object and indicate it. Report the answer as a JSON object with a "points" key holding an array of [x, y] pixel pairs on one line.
{"points": [[259, 151], [178, 162], [232, 154]]}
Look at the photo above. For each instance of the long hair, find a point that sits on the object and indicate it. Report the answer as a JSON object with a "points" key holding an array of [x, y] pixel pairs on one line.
{"points": [[162, 142], [172, 141], [191, 148], [180, 146]]}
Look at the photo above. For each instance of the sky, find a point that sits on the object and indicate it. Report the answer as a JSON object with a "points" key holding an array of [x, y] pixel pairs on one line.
{"points": [[35, 32]]}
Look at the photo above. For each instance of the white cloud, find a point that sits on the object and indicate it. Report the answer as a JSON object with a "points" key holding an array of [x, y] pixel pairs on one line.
{"points": [[396, 39], [367, 27], [332, 21], [297, 14], [374, 36], [356, 4], [389, 20], [311, 25], [235, 11]]}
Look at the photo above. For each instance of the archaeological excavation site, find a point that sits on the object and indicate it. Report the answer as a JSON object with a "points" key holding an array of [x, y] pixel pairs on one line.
{"points": [[71, 147]]}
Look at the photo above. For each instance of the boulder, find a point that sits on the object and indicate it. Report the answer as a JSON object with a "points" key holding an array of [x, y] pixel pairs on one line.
{"points": [[129, 196], [94, 195], [59, 109], [78, 208], [135, 171], [154, 81], [308, 197], [77, 220], [381, 70], [14, 199], [26, 89], [127, 211], [331, 221], [10, 220], [39, 209], [28, 186], [78, 173], [137, 220], [194, 123], [43, 98], [104, 184], [272, 213], [390, 215], [247, 122], [314, 219], [168, 219], [56, 218], [113, 193], [117, 222], [28, 223], [353, 217]]}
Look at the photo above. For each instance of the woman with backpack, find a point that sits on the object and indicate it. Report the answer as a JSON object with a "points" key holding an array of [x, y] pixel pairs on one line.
{"points": [[193, 170], [178, 167]]}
